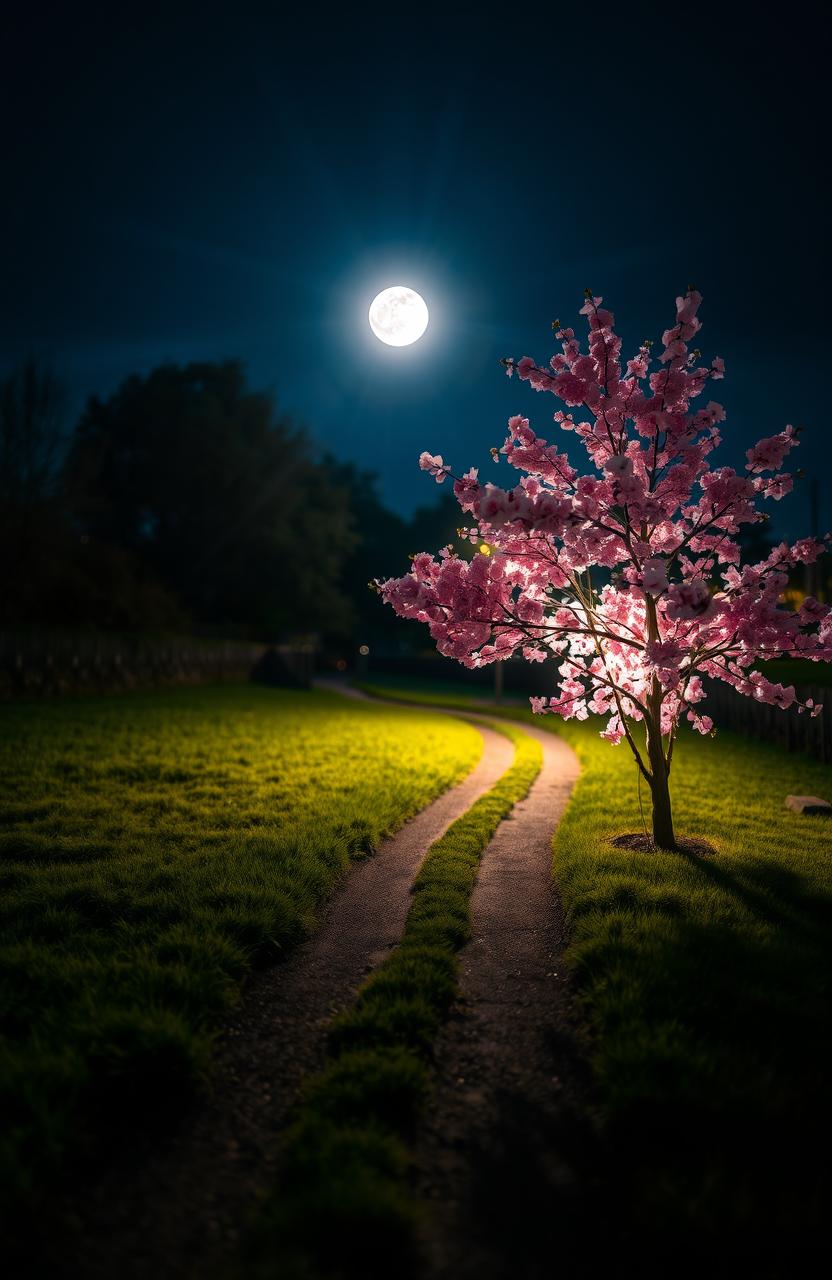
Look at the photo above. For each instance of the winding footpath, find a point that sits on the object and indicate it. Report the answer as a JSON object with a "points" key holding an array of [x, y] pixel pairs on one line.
{"points": [[178, 1212], [505, 1152]]}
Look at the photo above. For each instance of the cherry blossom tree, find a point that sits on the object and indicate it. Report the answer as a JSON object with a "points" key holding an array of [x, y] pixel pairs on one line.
{"points": [[653, 519]]}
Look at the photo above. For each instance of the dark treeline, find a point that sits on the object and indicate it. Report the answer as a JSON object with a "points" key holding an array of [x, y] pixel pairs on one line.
{"points": [[186, 500]]}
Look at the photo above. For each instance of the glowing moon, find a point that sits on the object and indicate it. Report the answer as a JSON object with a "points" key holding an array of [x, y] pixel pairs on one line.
{"points": [[398, 316]]}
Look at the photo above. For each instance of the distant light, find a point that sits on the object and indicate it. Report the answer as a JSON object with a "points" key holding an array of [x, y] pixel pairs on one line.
{"points": [[398, 316], [340, 665], [364, 649], [485, 549]]}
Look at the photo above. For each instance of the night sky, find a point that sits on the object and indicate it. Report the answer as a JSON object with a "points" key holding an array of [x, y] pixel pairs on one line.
{"points": [[195, 183]]}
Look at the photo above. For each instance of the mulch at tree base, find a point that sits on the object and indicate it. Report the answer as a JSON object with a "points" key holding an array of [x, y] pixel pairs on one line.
{"points": [[645, 844]]}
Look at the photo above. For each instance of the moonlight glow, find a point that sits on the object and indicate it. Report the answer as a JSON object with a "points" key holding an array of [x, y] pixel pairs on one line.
{"points": [[398, 316]]}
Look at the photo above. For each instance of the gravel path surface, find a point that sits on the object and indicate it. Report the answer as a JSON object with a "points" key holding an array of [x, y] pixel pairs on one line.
{"points": [[175, 1214], [505, 1153]]}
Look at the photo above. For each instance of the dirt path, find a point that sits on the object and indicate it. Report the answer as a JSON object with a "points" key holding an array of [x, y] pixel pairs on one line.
{"points": [[505, 1153], [176, 1214]]}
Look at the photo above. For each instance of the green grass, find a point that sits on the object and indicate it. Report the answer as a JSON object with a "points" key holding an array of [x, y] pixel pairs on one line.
{"points": [[706, 983], [154, 849], [343, 1207]]}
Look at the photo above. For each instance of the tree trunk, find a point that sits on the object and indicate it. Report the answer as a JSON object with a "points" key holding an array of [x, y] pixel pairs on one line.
{"points": [[662, 815], [660, 789]]}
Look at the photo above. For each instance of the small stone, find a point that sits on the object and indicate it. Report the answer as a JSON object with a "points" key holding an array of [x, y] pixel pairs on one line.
{"points": [[808, 804]]}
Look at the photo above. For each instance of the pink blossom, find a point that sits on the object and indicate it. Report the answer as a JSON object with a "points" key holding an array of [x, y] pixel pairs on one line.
{"points": [[571, 389], [618, 465], [775, 487], [768, 454], [806, 551], [614, 730], [654, 576], [767, 691], [687, 307], [811, 610], [639, 366], [664, 658], [467, 490], [688, 600], [434, 465]]}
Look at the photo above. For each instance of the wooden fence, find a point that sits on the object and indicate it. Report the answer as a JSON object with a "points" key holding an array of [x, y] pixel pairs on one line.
{"points": [[35, 663], [731, 710]]}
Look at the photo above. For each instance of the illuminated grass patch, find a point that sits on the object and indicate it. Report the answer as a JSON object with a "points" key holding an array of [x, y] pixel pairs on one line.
{"points": [[153, 850]]}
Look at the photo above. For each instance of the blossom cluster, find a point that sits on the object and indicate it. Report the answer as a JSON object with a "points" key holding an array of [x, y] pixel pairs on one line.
{"points": [[653, 513]]}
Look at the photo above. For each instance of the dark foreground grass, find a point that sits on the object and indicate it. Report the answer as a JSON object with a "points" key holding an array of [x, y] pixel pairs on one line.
{"points": [[154, 849], [343, 1207], [706, 982]]}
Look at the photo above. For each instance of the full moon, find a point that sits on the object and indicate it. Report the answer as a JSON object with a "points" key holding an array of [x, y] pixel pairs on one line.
{"points": [[398, 316]]}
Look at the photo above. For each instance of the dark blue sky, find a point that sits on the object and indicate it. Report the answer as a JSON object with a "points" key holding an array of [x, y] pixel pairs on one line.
{"points": [[198, 182]]}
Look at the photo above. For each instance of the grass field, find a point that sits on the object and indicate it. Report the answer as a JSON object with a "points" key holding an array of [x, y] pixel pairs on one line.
{"points": [[706, 983], [153, 849]]}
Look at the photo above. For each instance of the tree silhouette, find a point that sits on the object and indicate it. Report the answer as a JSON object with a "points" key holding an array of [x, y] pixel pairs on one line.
{"points": [[383, 540], [32, 405], [203, 480]]}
